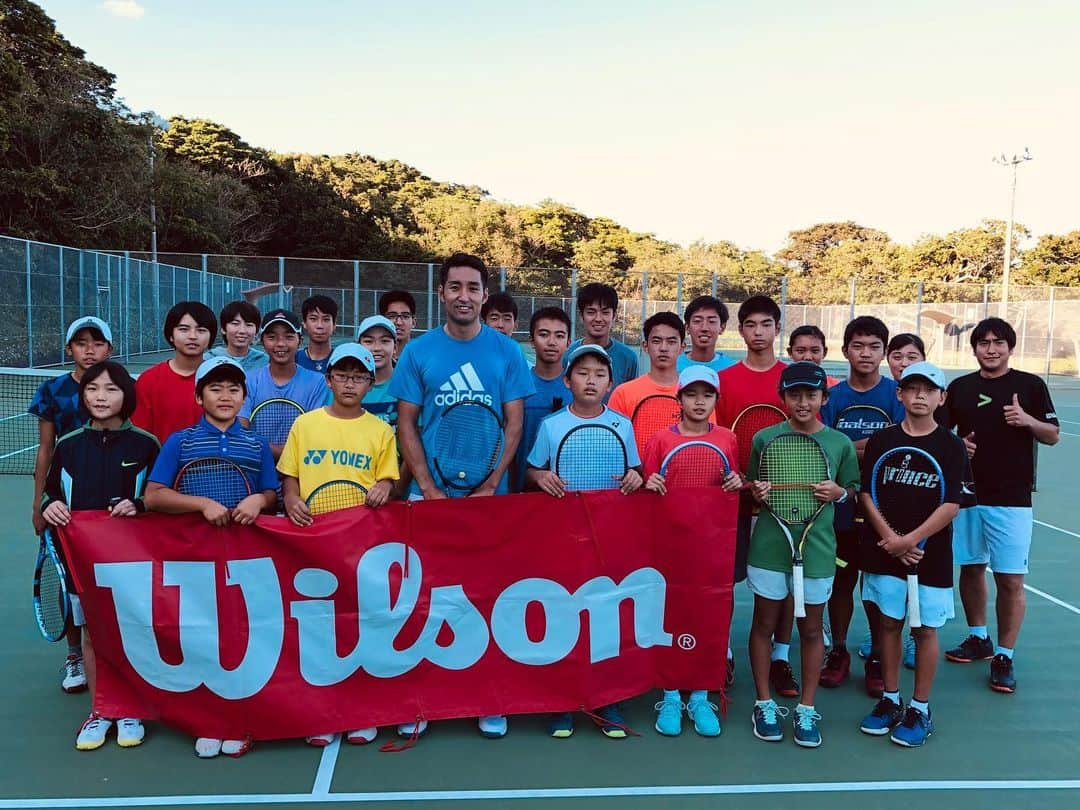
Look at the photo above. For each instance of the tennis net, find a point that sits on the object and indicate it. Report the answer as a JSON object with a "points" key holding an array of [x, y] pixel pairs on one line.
{"points": [[19, 429]]}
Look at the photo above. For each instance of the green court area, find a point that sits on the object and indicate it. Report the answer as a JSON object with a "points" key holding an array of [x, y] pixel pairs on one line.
{"points": [[988, 749]]}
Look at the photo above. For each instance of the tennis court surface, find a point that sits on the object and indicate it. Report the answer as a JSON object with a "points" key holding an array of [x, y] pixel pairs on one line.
{"points": [[988, 749]]}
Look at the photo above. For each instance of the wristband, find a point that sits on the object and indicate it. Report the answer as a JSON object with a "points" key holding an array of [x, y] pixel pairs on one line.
{"points": [[843, 498]]}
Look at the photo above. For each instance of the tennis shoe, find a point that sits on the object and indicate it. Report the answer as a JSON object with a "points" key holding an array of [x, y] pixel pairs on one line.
{"points": [[129, 732], [417, 729], [237, 748], [805, 727], [361, 736], [561, 726], [1002, 676], [909, 651], [866, 647], [93, 732], [492, 726], [74, 675], [319, 740], [913, 729], [669, 716], [766, 720], [614, 725], [782, 680], [971, 649], [883, 719], [703, 713], [207, 747], [873, 680], [836, 668]]}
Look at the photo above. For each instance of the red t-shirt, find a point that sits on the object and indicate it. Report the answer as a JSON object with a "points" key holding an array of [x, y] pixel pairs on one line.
{"points": [[165, 401], [665, 441], [741, 387]]}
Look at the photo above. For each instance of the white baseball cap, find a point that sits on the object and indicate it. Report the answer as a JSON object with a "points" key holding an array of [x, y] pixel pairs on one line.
{"points": [[925, 370], [698, 373], [89, 322]]}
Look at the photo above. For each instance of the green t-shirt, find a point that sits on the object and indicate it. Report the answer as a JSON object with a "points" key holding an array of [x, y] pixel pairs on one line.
{"points": [[769, 548]]}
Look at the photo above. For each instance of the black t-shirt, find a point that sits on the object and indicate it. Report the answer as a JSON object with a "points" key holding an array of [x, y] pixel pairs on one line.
{"points": [[1004, 462], [935, 568]]}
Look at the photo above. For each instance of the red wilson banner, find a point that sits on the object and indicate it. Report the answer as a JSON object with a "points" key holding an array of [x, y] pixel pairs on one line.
{"points": [[504, 605]]}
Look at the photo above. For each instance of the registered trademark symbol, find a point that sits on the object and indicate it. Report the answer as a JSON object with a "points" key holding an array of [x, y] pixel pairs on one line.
{"points": [[686, 641]]}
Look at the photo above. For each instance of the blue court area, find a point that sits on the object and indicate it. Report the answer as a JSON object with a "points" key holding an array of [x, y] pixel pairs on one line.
{"points": [[988, 749]]}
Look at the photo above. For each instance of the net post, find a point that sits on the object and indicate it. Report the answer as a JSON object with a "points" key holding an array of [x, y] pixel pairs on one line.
{"points": [[1050, 335], [430, 294], [29, 311], [356, 291], [573, 304]]}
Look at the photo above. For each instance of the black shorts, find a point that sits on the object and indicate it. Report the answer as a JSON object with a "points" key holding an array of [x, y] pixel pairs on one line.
{"points": [[847, 548]]}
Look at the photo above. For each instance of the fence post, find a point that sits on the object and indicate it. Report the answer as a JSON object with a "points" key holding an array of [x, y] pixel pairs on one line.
{"points": [[140, 308], [29, 312], [986, 301], [678, 293], [502, 279], [851, 302], [783, 310], [157, 298], [713, 288], [61, 319], [79, 315], [430, 295], [1050, 335], [644, 300], [356, 291], [918, 309], [202, 281], [122, 311], [573, 305], [281, 281]]}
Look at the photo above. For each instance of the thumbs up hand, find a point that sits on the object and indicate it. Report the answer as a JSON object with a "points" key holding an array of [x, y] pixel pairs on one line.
{"points": [[969, 444], [1015, 415]]}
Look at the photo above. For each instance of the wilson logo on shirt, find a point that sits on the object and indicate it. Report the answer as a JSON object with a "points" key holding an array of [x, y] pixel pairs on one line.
{"points": [[343, 458], [463, 386]]}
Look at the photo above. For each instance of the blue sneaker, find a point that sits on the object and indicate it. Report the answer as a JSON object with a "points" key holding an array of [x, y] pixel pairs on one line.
{"points": [[492, 726], [865, 647], [614, 725], [909, 651], [805, 727], [669, 715], [703, 713], [883, 719], [561, 726], [913, 730], [766, 720]]}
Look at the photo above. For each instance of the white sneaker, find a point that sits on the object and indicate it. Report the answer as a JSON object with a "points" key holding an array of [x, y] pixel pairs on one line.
{"points": [[409, 729], [493, 726], [361, 736], [74, 674], [236, 748], [129, 732], [93, 732], [207, 747], [319, 740]]}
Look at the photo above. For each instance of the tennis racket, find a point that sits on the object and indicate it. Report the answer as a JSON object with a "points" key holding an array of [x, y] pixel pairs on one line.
{"points": [[335, 495], [907, 486], [213, 477], [861, 421], [695, 464], [52, 607], [591, 457], [273, 419], [748, 423], [794, 464], [654, 413], [467, 447]]}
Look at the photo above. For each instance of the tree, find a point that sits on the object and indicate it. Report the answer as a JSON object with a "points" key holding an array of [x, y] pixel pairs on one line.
{"points": [[1055, 260], [807, 246]]}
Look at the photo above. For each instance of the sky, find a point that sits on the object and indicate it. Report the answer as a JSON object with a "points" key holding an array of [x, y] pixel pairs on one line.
{"points": [[690, 120]]}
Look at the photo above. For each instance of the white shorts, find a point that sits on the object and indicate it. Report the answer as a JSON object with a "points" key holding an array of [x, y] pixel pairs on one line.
{"points": [[78, 618], [998, 535], [889, 593], [776, 585]]}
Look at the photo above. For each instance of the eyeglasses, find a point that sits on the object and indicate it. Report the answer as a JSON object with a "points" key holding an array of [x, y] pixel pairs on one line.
{"points": [[400, 316], [355, 379]]}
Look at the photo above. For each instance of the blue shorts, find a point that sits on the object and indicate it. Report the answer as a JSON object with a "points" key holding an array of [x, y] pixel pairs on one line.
{"points": [[998, 535], [776, 585], [889, 593]]}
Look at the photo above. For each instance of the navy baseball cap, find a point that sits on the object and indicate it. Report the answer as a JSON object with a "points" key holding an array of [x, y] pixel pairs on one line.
{"points": [[279, 316], [804, 374]]}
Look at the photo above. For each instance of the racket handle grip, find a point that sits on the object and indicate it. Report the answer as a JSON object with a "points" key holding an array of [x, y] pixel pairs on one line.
{"points": [[914, 618], [798, 591]]}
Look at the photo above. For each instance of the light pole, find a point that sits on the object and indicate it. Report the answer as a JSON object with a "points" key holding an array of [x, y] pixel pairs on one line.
{"points": [[1011, 163]]}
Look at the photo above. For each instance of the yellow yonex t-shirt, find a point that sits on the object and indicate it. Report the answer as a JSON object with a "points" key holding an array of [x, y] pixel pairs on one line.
{"points": [[323, 448]]}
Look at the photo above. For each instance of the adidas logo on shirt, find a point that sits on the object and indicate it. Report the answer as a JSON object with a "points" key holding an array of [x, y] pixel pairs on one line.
{"points": [[463, 386]]}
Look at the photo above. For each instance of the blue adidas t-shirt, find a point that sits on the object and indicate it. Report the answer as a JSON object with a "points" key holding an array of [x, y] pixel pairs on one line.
{"points": [[624, 362], [307, 389], [550, 396], [719, 362], [436, 371], [859, 426], [379, 402]]}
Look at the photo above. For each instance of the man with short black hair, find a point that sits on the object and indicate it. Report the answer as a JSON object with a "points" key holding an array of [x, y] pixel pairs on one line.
{"points": [[400, 307], [239, 325], [1001, 413], [319, 314], [706, 319], [500, 312], [597, 305]]}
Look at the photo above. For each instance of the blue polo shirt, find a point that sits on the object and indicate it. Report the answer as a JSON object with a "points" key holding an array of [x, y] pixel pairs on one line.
{"points": [[240, 445]]}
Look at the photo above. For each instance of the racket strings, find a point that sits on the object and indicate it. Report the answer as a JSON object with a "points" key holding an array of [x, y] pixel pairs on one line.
{"points": [[653, 414], [749, 423], [52, 606], [793, 459], [273, 420], [591, 457], [468, 445], [694, 465], [217, 479], [334, 496]]}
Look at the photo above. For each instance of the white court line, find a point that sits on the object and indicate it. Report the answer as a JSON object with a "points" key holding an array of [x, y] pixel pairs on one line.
{"points": [[327, 762], [1058, 529], [1054, 599], [549, 793]]}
